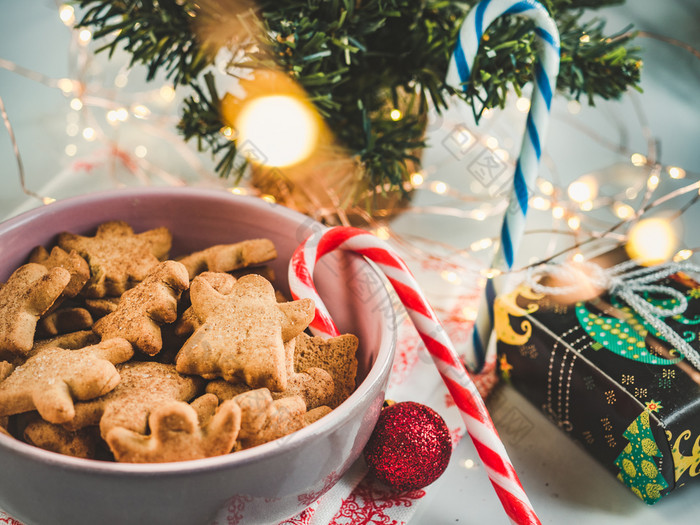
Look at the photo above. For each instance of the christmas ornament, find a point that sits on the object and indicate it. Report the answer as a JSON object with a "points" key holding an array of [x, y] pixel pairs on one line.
{"points": [[410, 447], [460, 385]]}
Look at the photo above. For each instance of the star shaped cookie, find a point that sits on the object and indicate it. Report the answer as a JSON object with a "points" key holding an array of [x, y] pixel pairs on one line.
{"points": [[29, 292], [118, 257], [243, 333], [146, 307]]}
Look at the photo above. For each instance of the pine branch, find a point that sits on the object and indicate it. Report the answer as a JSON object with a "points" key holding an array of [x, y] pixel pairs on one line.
{"points": [[357, 60]]}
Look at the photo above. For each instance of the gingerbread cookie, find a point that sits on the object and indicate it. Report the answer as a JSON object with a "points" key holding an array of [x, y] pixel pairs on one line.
{"points": [[190, 321], [29, 292], [69, 341], [264, 419], [335, 355], [51, 380], [63, 320], [176, 435], [143, 309], [243, 333], [143, 387], [58, 258], [81, 443], [118, 257], [228, 257]]}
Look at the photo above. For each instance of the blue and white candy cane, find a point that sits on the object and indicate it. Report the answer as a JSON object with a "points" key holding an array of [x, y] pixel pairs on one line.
{"points": [[546, 71]]}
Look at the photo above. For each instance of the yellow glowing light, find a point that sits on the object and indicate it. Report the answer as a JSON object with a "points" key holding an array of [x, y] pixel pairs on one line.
{"points": [[638, 159], [479, 215], [141, 111], [583, 189], [502, 154], [67, 14], [490, 273], [282, 130], [481, 244], [383, 233], [237, 190], [574, 107], [84, 36], [683, 255], [71, 150], [545, 186], [573, 222], [89, 134], [121, 80], [228, 132], [450, 277], [417, 179], [47, 200], [469, 314], [395, 115], [140, 151], [523, 104], [438, 187], [651, 241], [111, 116], [584, 39], [167, 93], [72, 130], [631, 193], [487, 113], [586, 206], [540, 203], [122, 114], [76, 104], [491, 142], [557, 212], [468, 463], [675, 172], [578, 257], [623, 211], [653, 182], [65, 85], [268, 198]]}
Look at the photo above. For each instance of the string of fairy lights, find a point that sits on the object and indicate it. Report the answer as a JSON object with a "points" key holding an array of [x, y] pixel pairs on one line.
{"points": [[94, 109]]}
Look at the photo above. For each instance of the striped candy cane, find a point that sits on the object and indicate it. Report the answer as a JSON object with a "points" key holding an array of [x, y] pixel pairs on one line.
{"points": [[476, 417], [546, 71]]}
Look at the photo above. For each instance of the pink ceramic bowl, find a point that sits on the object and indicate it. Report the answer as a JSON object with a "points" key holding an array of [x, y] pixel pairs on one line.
{"points": [[265, 484]]}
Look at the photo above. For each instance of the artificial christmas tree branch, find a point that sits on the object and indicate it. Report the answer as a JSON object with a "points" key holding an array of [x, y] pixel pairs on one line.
{"points": [[357, 60]]}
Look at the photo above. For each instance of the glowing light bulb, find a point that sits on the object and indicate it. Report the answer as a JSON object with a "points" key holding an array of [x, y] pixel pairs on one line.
{"points": [[167, 93], [395, 115], [450, 277], [84, 37], [586, 206], [583, 189], [70, 150], [683, 255], [584, 39], [557, 212], [237, 190], [638, 159], [281, 129], [653, 182], [438, 187], [65, 85], [383, 233], [573, 222], [89, 134], [540, 203], [502, 154], [574, 107], [141, 151], [67, 14], [268, 198], [523, 104], [141, 111], [481, 244], [545, 186], [623, 211], [417, 179], [491, 142], [578, 257], [675, 172], [651, 241]]}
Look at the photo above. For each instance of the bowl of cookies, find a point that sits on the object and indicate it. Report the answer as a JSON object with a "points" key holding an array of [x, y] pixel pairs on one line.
{"points": [[154, 368]]}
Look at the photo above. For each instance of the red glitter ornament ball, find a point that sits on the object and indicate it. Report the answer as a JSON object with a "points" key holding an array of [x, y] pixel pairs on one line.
{"points": [[410, 447]]}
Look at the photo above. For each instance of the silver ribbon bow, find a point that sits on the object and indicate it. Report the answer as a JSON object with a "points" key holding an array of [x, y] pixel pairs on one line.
{"points": [[627, 282]]}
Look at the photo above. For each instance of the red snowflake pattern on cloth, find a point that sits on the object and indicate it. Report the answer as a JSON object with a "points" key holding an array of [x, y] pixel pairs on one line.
{"points": [[8, 520], [371, 504], [303, 518], [236, 506], [308, 498]]}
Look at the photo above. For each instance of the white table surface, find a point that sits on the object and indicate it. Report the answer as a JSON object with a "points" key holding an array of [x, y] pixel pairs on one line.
{"points": [[563, 482]]}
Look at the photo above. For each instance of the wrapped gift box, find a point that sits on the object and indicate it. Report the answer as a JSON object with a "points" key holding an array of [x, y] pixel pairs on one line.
{"points": [[608, 379]]}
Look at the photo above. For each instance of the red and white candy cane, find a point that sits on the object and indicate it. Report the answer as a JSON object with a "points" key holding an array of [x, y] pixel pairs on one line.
{"points": [[476, 417]]}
